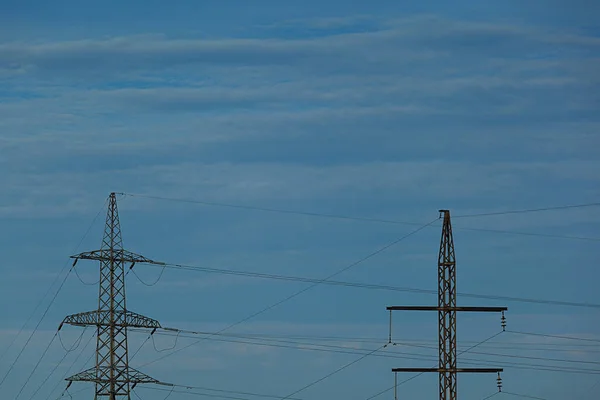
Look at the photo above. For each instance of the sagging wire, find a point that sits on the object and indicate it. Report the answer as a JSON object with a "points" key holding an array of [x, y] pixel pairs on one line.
{"points": [[78, 341], [75, 345], [301, 291], [169, 348], [80, 278], [498, 380], [140, 279], [74, 362]]}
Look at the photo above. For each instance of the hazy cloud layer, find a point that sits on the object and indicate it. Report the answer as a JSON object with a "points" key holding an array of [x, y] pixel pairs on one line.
{"points": [[384, 116]]}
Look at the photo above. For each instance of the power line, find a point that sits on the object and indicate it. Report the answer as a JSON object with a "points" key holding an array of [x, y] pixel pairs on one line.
{"points": [[47, 308], [555, 336], [49, 289], [490, 396], [67, 352], [212, 395], [531, 210], [271, 339], [140, 348], [275, 210], [513, 356], [145, 283], [525, 396], [400, 355], [522, 366], [421, 373], [278, 338], [73, 363], [259, 275], [377, 220], [593, 387], [243, 393], [295, 294], [547, 235], [35, 329], [343, 367], [36, 365]]}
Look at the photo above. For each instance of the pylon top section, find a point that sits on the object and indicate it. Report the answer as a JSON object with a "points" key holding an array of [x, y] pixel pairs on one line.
{"points": [[112, 242], [447, 310]]}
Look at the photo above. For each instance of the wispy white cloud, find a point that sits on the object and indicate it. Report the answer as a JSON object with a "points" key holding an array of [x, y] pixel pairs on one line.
{"points": [[404, 41]]}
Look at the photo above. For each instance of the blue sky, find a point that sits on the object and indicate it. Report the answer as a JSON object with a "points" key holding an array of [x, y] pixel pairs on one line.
{"points": [[375, 110]]}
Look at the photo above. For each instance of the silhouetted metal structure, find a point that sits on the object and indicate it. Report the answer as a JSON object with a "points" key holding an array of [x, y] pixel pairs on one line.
{"points": [[447, 310], [112, 375]]}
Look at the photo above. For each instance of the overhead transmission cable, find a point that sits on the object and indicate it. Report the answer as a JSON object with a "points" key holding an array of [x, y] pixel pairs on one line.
{"points": [[274, 342], [259, 275], [299, 292], [46, 294], [224, 391], [67, 352], [58, 382], [531, 210], [211, 395], [554, 336], [510, 355], [269, 336], [491, 395], [340, 369], [37, 364], [525, 396], [421, 373], [49, 305], [379, 220], [303, 346]]}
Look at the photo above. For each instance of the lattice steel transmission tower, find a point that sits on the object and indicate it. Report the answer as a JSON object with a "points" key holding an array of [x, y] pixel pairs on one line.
{"points": [[112, 375], [447, 310]]}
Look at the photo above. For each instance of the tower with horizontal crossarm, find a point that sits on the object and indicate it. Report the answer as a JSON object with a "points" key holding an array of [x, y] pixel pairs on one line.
{"points": [[446, 309], [113, 377]]}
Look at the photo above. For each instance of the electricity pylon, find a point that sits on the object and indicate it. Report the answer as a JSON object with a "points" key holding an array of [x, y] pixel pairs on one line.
{"points": [[447, 309], [112, 375]]}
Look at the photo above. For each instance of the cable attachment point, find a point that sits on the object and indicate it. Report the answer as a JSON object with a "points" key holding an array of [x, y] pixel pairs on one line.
{"points": [[499, 382], [503, 322]]}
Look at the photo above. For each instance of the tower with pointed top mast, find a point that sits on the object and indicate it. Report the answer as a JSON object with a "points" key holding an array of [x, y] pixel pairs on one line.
{"points": [[113, 377], [446, 309]]}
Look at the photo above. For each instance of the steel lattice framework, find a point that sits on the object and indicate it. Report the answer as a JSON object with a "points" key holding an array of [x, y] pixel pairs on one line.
{"points": [[112, 375], [447, 309]]}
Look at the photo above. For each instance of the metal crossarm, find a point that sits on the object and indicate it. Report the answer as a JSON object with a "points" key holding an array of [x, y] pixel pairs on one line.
{"points": [[434, 308], [118, 255], [121, 319]]}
